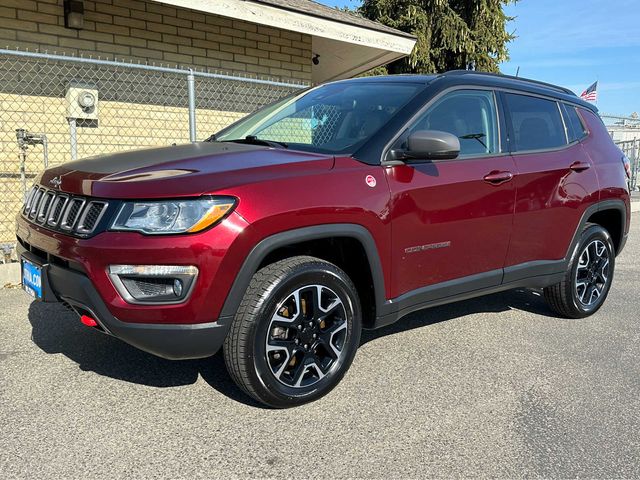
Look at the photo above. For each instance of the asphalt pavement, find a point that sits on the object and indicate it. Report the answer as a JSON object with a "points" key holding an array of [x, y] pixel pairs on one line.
{"points": [[491, 387]]}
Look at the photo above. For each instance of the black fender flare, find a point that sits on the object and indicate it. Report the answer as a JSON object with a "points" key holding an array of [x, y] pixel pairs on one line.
{"points": [[299, 235], [612, 204]]}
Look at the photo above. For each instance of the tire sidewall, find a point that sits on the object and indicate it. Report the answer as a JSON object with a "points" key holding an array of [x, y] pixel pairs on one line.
{"points": [[311, 273], [593, 232]]}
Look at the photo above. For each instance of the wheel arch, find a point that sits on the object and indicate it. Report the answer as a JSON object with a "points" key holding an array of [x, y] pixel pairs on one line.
{"points": [[613, 220], [310, 240], [610, 215]]}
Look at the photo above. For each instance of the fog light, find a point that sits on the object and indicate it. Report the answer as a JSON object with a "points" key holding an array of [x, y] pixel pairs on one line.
{"points": [[177, 288], [153, 284]]}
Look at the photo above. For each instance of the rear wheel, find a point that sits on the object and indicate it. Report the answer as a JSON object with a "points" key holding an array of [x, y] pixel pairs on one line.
{"points": [[588, 279], [296, 332]]}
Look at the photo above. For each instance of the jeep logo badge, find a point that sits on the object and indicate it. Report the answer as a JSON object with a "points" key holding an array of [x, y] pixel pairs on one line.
{"points": [[56, 182]]}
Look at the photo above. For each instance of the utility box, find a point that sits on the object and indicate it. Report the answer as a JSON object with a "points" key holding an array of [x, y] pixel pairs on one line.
{"points": [[82, 101]]}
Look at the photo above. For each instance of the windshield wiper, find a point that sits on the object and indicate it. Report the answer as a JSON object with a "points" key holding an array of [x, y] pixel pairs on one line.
{"points": [[253, 140], [474, 136]]}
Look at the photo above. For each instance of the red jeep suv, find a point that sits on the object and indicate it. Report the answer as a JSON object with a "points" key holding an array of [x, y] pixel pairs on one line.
{"points": [[342, 207]]}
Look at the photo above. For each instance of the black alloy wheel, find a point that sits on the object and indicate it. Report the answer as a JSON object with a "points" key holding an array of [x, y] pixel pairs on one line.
{"points": [[589, 276], [296, 332]]}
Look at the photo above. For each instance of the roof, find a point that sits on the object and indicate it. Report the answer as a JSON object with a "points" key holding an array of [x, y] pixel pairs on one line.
{"points": [[519, 83], [401, 77], [496, 80], [516, 80], [315, 9]]}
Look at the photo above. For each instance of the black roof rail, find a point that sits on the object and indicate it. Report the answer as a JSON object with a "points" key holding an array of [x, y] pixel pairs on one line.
{"points": [[511, 77]]}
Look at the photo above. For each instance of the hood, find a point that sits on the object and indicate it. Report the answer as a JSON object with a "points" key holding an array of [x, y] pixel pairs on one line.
{"points": [[180, 170]]}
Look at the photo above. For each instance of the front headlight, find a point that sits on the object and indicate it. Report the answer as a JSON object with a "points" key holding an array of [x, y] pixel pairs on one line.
{"points": [[172, 216]]}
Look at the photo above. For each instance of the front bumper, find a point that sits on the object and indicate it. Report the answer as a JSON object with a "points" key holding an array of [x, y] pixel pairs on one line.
{"points": [[213, 252], [171, 341], [77, 273]]}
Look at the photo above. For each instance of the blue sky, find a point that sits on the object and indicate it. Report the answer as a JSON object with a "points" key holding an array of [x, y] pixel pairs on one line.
{"points": [[574, 43]]}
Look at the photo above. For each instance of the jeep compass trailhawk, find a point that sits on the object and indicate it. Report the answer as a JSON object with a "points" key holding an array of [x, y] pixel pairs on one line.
{"points": [[342, 207]]}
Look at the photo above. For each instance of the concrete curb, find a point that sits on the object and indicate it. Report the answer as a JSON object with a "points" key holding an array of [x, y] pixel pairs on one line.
{"points": [[9, 274]]}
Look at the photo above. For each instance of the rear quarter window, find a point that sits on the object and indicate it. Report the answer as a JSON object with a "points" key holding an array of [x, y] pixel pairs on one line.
{"points": [[575, 128], [535, 122]]}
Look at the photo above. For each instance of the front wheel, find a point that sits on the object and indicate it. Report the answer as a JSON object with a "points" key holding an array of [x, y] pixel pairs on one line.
{"points": [[588, 279], [296, 332]]}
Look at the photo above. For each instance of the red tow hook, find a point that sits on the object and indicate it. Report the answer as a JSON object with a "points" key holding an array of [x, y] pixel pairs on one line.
{"points": [[88, 321]]}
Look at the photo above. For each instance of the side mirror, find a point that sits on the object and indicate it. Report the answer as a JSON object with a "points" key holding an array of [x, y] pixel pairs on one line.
{"points": [[424, 145]]}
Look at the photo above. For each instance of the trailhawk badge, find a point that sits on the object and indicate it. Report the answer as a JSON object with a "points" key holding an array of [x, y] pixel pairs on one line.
{"points": [[371, 180]]}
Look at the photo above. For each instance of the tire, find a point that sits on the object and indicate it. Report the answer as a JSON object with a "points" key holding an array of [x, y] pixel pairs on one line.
{"points": [[296, 332], [588, 278]]}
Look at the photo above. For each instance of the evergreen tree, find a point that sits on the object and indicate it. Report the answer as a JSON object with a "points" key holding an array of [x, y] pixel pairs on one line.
{"points": [[451, 33]]}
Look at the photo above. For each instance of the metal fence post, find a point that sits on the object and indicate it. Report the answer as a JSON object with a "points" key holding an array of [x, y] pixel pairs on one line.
{"points": [[73, 139], [634, 166], [191, 86]]}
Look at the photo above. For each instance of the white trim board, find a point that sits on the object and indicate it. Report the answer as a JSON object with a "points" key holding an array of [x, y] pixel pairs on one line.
{"points": [[299, 22]]}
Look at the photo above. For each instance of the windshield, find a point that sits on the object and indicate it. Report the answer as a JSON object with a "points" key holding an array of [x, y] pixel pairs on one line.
{"points": [[333, 118]]}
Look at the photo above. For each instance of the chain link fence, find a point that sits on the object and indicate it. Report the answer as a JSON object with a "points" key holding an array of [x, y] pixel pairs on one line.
{"points": [[625, 132], [631, 148], [54, 109]]}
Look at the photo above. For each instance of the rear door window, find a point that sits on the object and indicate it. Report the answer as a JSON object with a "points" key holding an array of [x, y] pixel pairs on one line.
{"points": [[535, 122], [575, 128]]}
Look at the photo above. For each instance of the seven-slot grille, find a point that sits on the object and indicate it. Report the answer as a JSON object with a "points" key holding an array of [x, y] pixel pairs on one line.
{"points": [[63, 212]]}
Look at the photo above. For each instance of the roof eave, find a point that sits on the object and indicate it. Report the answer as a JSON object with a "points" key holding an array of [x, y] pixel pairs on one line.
{"points": [[345, 20], [260, 13]]}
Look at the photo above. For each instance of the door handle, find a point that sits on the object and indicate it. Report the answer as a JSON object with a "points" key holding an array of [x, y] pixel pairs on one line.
{"points": [[579, 166], [497, 177]]}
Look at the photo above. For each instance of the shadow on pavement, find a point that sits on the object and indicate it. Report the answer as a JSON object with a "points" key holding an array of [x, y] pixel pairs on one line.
{"points": [[57, 330], [520, 299]]}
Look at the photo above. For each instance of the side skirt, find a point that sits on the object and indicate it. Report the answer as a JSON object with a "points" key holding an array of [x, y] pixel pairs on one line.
{"points": [[537, 274]]}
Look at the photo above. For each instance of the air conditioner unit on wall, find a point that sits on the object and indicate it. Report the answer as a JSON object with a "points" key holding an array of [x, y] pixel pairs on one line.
{"points": [[82, 101]]}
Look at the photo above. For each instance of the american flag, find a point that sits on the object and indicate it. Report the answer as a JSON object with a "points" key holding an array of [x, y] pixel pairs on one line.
{"points": [[590, 94]]}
